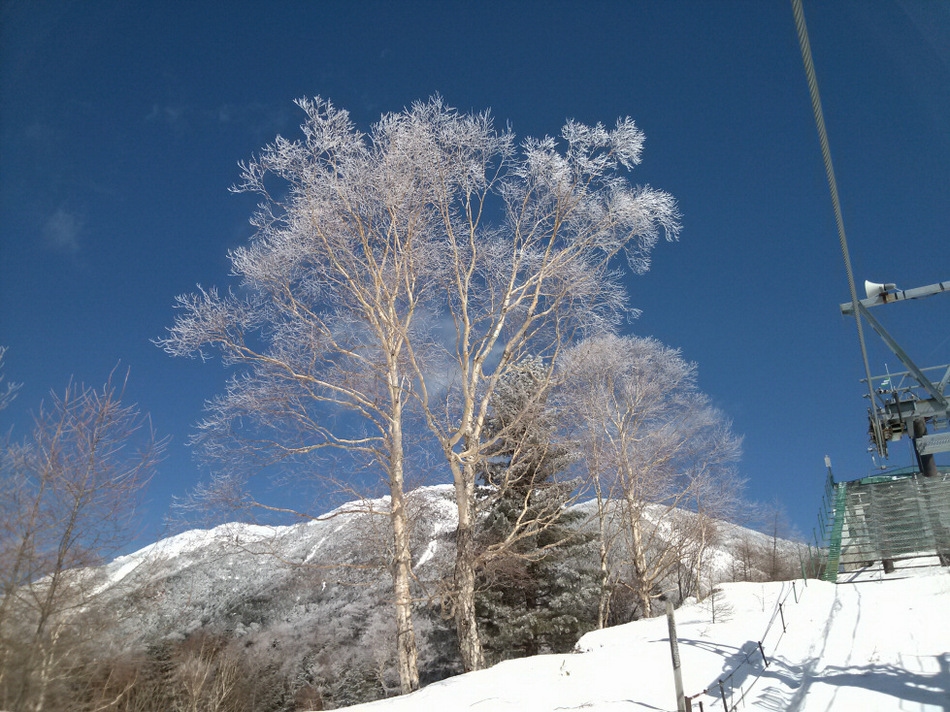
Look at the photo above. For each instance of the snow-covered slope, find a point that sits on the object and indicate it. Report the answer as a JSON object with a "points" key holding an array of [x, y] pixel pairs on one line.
{"points": [[239, 574], [874, 644], [204, 576], [312, 602], [309, 602]]}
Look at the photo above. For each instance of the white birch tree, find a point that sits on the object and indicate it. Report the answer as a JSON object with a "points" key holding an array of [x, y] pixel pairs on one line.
{"points": [[654, 448], [349, 238], [8, 389], [426, 258], [546, 272]]}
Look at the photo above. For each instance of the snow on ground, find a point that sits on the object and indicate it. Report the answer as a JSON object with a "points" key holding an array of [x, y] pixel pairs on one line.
{"points": [[872, 644]]}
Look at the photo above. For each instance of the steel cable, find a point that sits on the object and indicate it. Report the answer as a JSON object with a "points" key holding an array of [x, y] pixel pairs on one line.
{"points": [[833, 187]]}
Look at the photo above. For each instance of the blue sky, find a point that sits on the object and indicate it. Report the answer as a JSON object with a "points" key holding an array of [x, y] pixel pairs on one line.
{"points": [[121, 126]]}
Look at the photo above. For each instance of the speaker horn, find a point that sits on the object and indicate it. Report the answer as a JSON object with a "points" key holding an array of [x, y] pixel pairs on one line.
{"points": [[873, 289]]}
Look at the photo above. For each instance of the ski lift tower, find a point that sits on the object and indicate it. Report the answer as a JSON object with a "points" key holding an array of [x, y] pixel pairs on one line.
{"points": [[920, 409], [900, 515]]}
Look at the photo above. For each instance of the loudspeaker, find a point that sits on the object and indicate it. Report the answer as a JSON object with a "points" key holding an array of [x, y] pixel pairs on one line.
{"points": [[873, 289]]}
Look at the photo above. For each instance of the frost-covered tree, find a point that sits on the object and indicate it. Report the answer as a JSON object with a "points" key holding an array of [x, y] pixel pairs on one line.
{"points": [[532, 241], [521, 430], [531, 579], [653, 447], [428, 257], [349, 236], [523, 493], [9, 389], [67, 493]]}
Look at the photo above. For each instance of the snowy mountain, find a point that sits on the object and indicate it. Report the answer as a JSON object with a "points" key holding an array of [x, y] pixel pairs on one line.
{"points": [[310, 601], [307, 607], [873, 643]]}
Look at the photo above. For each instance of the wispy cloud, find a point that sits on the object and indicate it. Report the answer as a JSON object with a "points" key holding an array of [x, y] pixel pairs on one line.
{"points": [[173, 115], [62, 230], [41, 134], [260, 119]]}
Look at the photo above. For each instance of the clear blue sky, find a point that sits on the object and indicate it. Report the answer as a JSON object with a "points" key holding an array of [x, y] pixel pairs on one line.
{"points": [[121, 125]]}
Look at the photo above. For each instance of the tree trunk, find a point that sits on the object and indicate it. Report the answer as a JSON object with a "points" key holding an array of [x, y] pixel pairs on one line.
{"points": [[643, 586], [639, 559], [406, 651], [603, 609], [466, 626], [700, 555]]}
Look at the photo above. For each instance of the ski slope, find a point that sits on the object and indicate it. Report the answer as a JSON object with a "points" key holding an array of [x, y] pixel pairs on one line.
{"points": [[872, 643]]}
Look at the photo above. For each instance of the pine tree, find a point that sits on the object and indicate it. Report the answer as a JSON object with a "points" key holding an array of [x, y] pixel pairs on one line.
{"points": [[535, 594]]}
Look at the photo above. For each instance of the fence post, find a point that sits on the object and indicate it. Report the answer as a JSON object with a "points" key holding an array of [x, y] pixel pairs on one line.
{"points": [[782, 616], [722, 693], [675, 651]]}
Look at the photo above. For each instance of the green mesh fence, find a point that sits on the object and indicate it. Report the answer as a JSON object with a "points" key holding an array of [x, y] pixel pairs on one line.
{"points": [[885, 519]]}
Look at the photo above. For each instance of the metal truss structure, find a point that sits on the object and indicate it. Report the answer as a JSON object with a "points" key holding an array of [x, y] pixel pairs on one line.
{"points": [[918, 408]]}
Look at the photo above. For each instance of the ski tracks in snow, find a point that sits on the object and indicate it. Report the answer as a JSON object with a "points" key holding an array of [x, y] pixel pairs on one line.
{"points": [[849, 666]]}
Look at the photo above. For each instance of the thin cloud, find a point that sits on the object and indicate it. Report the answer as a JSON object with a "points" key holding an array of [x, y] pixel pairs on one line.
{"points": [[62, 230], [173, 115], [261, 119]]}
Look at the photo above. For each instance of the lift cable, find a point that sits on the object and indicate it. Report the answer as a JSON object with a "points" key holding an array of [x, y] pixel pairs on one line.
{"points": [[833, 187]]}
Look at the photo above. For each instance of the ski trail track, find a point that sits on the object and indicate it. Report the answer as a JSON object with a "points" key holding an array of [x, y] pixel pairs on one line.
{"points": [[862, 646]]}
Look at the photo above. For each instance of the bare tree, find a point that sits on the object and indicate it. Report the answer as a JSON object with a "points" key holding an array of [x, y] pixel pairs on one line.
{"points": [[67, 494], [715, 497], [332, 287], [207, 677], [537, 278], [8, 389], [655, 448], [374, 248], [777, 556]]}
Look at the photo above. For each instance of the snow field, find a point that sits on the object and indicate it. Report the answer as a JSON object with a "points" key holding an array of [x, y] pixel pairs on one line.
{"points": [[870, 645]]}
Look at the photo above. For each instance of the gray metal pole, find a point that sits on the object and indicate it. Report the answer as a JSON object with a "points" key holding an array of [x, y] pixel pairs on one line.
{"points": [[674, 649]]}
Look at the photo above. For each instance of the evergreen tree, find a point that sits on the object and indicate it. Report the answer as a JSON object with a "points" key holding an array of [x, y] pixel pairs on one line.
{"points": [[535, 593]]}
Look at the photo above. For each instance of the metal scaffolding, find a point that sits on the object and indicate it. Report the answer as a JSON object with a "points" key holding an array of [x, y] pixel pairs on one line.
{"points": [[896, 516]]}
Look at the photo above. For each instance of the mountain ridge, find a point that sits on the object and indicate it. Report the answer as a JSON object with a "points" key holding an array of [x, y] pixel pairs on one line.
{"points": [[312, 601]]}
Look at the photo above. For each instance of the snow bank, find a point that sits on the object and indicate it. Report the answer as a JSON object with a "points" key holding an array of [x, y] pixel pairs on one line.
{"points": [[873, 644]]}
